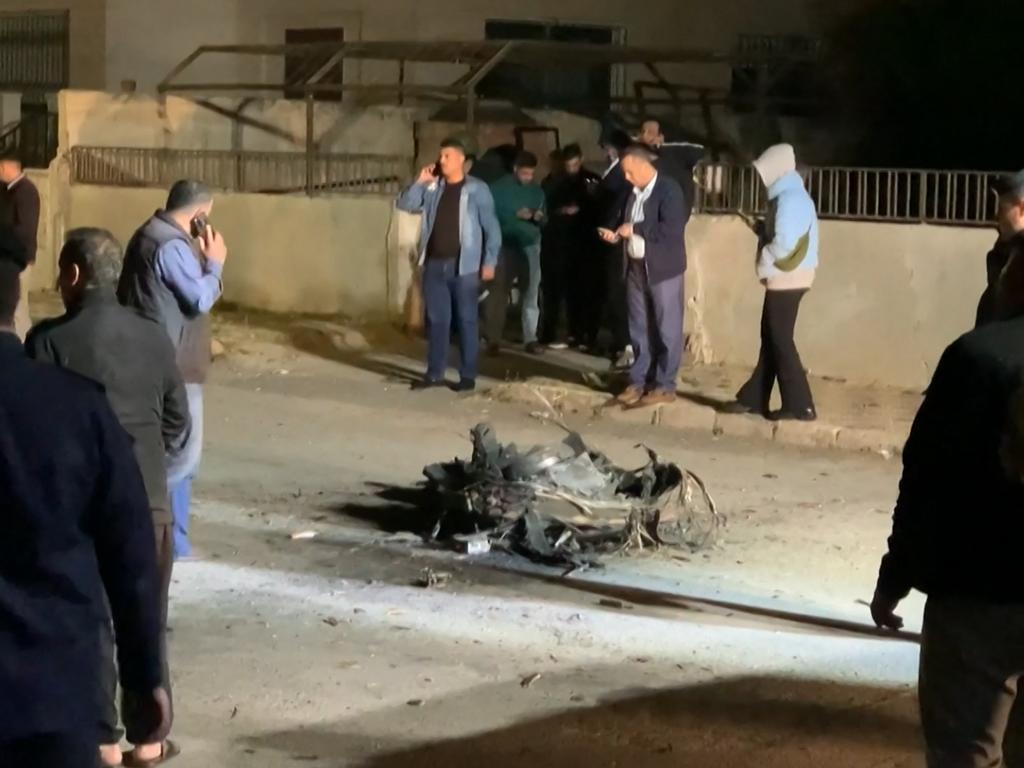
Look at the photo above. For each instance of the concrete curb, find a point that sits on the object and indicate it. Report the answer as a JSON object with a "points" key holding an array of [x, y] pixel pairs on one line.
{"points": [[688, 416]]}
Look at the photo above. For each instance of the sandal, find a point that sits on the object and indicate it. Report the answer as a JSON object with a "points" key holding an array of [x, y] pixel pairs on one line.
{"points": [[169, 751]]}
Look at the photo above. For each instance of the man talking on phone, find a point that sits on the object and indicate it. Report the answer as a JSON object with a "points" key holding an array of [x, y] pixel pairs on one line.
{"points": [[172, 275], [460, 239]]}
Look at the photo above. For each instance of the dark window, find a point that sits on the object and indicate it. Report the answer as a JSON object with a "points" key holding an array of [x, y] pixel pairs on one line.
{"points": [[586, 88], [34, 51], [778, 70], [299, 67]]}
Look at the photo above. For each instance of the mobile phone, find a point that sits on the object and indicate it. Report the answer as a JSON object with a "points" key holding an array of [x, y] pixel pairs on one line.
{"points": [[437, 169], [198, 225]]}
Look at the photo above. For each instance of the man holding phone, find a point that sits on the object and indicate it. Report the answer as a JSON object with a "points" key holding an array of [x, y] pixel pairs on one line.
{"points": [[520, 207], [172, 275], [460, 239]]}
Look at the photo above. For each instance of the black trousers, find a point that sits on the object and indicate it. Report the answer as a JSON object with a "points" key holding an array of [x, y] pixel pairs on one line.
{"points": [[779, 359], [616, 315], [108, 728], [572, 283], [52, 750]]}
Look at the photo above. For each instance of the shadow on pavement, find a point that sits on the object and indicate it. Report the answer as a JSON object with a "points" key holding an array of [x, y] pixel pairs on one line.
{"points": [[395, 509], [509, 364], [755, 722]]}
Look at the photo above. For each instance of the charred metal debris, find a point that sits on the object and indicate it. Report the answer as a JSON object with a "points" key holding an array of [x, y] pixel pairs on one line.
{"points": [[567, 504]]}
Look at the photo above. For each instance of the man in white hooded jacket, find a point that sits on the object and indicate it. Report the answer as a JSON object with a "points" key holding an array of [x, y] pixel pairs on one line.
{"points": [[786, 262]]}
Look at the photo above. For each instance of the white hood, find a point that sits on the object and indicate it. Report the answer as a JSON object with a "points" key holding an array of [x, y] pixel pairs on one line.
{"points": [[775, 163]]}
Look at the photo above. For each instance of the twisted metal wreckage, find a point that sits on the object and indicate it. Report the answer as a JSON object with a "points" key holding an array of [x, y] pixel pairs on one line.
{"points": [[568, 504]]}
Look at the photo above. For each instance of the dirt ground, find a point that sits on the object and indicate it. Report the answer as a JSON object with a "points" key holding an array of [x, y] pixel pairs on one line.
{"points": [[322, 652]]}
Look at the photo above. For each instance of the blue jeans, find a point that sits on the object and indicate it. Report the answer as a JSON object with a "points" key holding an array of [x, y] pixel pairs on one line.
{"points": [[655, 328], [530, 290], [444, 290], [181, 470]]}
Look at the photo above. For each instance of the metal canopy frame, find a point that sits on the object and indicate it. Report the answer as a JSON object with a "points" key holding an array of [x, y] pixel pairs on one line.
{"points": [[480, 58]]}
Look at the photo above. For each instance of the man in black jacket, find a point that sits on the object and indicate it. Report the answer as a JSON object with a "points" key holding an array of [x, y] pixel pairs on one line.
{"points": [[610, 198], [133, 359], [956, 536], [572, 267], [22, 214], [1009, 246], [76, 525]]}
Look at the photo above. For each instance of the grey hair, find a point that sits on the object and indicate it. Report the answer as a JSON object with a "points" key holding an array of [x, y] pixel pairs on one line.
{"points": [[96, 253], [642, 152]]}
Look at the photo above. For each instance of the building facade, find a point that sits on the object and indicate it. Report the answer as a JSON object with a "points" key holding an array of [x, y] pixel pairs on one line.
{"points": [[100, 44]]}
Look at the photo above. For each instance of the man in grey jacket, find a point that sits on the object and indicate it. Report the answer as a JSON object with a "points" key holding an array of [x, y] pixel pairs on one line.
{"points": [[460, 241]]}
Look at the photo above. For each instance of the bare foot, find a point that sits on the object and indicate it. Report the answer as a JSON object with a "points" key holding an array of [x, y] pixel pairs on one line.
{"points": [[111, 755], [147, 752]]}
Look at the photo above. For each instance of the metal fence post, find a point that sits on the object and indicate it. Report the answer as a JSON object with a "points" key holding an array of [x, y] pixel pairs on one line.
{"points": [[922, 200], [310, 145]]}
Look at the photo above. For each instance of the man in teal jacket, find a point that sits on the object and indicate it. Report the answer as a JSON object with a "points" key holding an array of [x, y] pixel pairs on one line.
{"points": [[519, 204]]}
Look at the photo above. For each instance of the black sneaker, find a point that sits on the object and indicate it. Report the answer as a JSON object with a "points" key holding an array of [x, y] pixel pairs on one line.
{"points": [[534, 348], [425, 384], [492, 349], [466, 385]]}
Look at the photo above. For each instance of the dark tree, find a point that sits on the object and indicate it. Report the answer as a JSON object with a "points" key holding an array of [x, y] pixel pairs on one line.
{"points": [[935, 83]]}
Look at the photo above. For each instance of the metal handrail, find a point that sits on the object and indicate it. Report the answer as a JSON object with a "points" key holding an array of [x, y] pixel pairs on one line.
{"points": [[899, 195], [241, 171]]}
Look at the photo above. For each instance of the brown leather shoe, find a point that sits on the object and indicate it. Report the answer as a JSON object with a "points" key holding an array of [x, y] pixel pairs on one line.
{"points": [[630, 396], [657, 397]]}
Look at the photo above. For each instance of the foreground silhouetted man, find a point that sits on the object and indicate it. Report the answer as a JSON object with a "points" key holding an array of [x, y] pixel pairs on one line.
{"points": [[76, 523], [134, 361], [957, 533]]}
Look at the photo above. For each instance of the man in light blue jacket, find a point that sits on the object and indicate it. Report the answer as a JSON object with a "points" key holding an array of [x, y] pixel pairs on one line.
{"points": [[787, 260], [460, 240]]}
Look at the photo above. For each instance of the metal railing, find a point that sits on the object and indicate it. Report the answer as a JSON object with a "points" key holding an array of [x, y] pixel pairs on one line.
{"points": [[34, 49], [33, 138], [260, 172], [862, 194]]}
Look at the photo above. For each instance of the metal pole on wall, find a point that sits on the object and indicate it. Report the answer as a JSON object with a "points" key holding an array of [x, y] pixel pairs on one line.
{"points": [[310, 144]]}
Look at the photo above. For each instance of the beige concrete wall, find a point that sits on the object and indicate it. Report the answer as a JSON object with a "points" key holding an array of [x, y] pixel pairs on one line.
{"points": [[286, 254], [93, 118], [45, 273], [887, 300]]}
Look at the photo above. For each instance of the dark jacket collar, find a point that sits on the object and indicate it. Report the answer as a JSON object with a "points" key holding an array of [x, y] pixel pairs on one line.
{"points": [[10, 345], [97, 296]]}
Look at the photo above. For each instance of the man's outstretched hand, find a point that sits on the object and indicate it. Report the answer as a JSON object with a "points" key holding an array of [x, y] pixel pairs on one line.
{"points": [[883, 611]]}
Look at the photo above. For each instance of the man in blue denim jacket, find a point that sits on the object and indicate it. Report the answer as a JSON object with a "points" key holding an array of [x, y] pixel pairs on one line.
{"points": [[459, 244]]}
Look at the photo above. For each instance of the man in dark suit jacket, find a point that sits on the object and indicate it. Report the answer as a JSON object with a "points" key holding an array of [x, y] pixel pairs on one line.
{"points": [[134, 360], [22, 214], [76, 524], [654, 250], [612, 192]]}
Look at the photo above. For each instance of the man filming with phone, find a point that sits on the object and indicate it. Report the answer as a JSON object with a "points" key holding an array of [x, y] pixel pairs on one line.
{"points": [[172, 275]]}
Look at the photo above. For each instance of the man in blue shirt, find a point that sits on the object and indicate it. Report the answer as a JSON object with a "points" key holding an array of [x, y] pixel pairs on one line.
{"points": [[459, 244], [172, 274]]}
